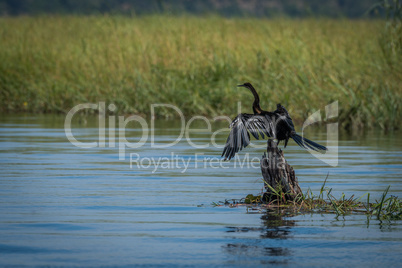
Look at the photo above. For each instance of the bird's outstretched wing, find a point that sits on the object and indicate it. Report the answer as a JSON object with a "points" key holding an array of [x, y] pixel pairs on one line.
{"points": [[283, 115], [241, 126]]}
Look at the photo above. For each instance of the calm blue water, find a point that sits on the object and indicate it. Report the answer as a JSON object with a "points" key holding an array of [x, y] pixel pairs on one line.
{"points": [[66, 206]]}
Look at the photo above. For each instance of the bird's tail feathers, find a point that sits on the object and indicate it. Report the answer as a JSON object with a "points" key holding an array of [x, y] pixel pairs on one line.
{"points": [[308, 144]]}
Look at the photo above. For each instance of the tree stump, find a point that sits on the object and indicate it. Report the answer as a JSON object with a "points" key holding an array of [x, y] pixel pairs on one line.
{"points": [[279, 175]]}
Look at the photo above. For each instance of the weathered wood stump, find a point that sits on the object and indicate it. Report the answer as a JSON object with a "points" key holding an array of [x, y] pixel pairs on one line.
{"points": [[279, 175]]}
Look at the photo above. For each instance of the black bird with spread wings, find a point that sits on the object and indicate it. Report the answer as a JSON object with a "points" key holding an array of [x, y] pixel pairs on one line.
{"points": [[277, 125]]}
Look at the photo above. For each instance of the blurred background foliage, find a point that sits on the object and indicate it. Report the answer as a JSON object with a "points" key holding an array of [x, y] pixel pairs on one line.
{"points": [[227, 8], [50, 63]]}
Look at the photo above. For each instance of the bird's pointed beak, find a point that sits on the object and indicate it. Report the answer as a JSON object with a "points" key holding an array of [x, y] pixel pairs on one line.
{"points": [[240, 85]]}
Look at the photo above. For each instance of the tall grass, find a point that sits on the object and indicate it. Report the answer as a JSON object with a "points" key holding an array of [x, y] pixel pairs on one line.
{"points": [[50, 64]]}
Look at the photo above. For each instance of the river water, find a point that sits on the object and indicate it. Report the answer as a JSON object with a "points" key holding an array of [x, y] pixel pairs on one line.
{"points": [[62, 205]]}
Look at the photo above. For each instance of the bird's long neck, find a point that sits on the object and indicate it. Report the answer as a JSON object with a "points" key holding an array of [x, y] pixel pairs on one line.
{"points": [[256, 104]]}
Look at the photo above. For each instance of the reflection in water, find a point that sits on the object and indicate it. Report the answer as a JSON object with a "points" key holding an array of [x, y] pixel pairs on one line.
{"points": [[258, 252], [250, 250], [274, 227]]}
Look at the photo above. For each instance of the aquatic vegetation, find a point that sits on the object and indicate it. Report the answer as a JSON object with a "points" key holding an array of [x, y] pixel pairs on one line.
{"points": [[387, 208], [49, 64]]}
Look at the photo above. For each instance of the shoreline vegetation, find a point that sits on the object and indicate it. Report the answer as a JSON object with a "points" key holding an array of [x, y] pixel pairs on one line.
{"points": [[49, 64]]}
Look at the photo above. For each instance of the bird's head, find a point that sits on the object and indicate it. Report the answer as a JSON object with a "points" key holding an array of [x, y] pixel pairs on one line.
{"points": [[246, 85], [256, 104]]}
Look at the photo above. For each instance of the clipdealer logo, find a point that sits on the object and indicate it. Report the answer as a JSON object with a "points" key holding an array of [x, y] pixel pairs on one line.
{"points": [[115, 135]]}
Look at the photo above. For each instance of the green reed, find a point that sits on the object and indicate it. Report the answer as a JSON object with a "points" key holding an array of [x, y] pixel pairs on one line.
{"points": [[49, 64], [387, 208]]}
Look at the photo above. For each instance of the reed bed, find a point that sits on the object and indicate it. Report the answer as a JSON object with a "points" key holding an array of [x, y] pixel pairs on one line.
{"points": [[48, 64], [386, 208]]}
